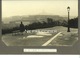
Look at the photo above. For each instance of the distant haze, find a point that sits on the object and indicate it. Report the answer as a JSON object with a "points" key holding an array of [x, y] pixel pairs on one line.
{"points": [[55, 7]]}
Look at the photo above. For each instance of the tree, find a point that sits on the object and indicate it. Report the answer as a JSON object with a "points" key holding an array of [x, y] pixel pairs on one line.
{"points": [[73, 23]]}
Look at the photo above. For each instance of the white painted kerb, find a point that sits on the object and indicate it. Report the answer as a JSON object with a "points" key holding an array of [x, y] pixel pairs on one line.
{"points": [[46, 43]]}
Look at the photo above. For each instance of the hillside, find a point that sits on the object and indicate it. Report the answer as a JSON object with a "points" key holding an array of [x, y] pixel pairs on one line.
{"points": [[32, 18]]}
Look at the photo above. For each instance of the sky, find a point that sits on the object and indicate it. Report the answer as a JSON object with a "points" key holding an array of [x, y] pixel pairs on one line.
{"points": [[52, 7]]}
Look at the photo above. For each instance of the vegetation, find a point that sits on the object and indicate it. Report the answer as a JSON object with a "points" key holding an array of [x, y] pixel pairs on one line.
{"points": [[74, 23], [50, 23]]}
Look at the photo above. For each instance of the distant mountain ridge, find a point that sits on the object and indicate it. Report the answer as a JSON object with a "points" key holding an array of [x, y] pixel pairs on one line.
{"points": [[32, 18]]}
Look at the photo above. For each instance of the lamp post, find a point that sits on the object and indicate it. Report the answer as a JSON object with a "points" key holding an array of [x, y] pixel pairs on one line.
{"points": [[68, 9]]}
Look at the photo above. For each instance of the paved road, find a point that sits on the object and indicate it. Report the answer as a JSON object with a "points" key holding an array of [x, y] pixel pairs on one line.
{"points": [[46, 43], [29, 40]]}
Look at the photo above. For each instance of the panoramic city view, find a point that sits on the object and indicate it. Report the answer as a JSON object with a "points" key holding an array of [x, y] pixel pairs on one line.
{"points": [[40, 23]]}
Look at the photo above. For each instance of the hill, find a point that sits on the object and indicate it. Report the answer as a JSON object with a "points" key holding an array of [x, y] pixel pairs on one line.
{"points": [[32, 18]]}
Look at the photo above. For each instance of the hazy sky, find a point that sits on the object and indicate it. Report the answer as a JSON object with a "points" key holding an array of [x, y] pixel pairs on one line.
{"points": [[55, 7]]}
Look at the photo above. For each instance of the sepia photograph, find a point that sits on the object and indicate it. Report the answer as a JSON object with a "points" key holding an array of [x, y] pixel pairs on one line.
{"points": [[40, 23]]}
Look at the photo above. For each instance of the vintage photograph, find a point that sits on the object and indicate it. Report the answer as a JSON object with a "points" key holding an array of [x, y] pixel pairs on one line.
{"points": [[40, 23]]}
